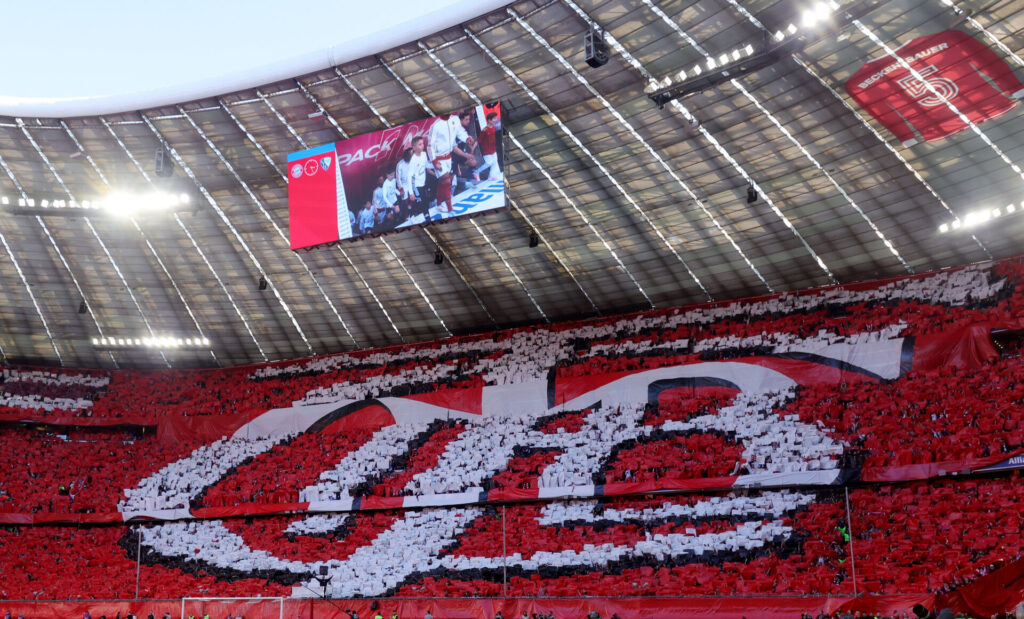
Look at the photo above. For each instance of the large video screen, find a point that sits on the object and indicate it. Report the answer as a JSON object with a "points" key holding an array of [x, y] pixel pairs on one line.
{"points": [[433, 169]]}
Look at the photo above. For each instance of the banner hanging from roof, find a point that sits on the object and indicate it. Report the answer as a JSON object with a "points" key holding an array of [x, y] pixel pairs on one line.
{"points": [[934, 85]]}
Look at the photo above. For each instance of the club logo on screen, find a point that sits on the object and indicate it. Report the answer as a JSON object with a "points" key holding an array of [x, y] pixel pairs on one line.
{"points": [[312, 167], [297, 170], [325, 163]]}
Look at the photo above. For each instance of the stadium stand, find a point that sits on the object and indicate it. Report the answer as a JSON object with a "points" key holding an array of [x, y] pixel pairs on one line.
{"points": [[910, 306], [787, 542], [915, 533]]}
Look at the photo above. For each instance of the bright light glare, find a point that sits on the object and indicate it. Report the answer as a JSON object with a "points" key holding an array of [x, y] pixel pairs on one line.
{"points": [[128, 204], [980, 216], [749, 49], [121, 203], [944, 228], [791, 29]]}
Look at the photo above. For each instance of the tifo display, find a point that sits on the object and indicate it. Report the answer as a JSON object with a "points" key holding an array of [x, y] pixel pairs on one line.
{"points": [[408, 175], [794, 444]]}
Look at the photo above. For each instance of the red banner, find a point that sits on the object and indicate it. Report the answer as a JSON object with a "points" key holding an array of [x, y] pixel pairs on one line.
{"points": [[938, 80]]}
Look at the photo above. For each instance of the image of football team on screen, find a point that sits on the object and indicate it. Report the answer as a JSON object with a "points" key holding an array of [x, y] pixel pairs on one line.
{"points": [[457, 155]]}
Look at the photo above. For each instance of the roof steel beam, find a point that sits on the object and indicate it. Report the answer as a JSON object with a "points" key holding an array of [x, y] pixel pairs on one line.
{"points": [[590, 155], [636, 135], [227, 222], [177, 219], [778, 125], [692, 120], [757, 23], [968, 18], [426, 108], [21, 274], [444, 250], [60, 181], [476, 100], [153, 250], [24, 280], [536, 164], [889, 147], [558, 258], [430, 53], [138, 228], [344, 254], [512, 271], [417, 286], [259, 204]]}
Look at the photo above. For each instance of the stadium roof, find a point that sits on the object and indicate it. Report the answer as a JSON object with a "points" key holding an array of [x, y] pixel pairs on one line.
{"points": [[635, 206]]}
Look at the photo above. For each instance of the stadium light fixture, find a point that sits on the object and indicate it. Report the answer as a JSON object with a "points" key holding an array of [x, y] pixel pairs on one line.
{"points": [[118, 203], [817, 20], [162, 342], [979, 217], [735, 63]]}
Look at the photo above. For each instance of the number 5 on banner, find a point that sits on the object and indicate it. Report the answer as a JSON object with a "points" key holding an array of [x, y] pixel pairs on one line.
{"points": [[917, 89]]}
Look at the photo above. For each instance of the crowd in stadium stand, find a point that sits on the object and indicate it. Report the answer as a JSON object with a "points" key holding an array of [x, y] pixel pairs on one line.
{"points": [[908, 306], [944, 414], [922, 535], [911, 536]]}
